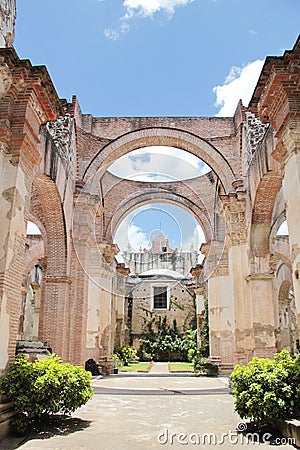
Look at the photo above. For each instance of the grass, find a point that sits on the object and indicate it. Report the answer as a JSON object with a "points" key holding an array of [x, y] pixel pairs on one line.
{"points": [[181, 367], [136, 367]]}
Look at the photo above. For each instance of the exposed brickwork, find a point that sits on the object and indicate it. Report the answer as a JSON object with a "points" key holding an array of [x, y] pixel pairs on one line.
{"points": [[122, 196]]}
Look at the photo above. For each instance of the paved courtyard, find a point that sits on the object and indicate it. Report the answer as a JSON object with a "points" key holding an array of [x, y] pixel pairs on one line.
{"points": [[158, 412]]}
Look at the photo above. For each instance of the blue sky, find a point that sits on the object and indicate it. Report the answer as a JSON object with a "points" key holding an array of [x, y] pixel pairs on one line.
{"points": [[177, 224], [167, 60], [155, 58]]}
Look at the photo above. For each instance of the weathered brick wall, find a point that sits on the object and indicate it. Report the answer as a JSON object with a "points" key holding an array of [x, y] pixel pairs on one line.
{"points": [[182, 307], [94, 134]]}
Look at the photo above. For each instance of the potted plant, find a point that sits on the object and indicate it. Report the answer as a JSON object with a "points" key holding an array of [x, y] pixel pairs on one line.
{"points": [[116, 363]]}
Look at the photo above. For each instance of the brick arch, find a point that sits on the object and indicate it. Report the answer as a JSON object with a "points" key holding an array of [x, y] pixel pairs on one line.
{"points": [[163, 197], [261, 223], [283, 291], [162, 136], [47, 208], [46, 204], [32, 255]]}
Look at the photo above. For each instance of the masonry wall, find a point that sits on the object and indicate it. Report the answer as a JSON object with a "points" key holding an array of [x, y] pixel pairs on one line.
{"points": [[181, 306]]}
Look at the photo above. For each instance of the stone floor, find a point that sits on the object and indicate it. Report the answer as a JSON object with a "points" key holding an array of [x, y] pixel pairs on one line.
{"points": [[148, 413], [159, 368]]}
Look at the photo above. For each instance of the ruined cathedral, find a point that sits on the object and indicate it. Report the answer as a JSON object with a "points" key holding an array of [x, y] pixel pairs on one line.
{"points": [[64, 290]]}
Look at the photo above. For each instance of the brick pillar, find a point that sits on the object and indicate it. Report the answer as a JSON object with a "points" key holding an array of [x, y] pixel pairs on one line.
{"points": [[53, 324], [25, 103], [101, 295], [82, 241]]}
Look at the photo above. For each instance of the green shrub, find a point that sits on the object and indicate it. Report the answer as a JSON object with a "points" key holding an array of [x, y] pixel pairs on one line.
{"points": [[125, 354], [45, 387], [267, 389], [20, 424], [163, 342]]}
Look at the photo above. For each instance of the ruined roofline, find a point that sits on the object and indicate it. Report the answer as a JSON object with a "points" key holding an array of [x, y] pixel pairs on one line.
{"points": [[270, 62], [36, 75]]}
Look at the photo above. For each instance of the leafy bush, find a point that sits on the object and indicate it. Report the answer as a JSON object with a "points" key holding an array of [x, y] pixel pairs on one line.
{"points": [[125, 354], [20, 424], [199, 362], [162, 342], [267, 389], [45, 387]]}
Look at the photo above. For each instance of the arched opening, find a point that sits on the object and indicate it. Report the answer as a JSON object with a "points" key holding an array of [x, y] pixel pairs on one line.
{"points": [[158, 164], [287, 318], [159, 243], [32, 284], [167, 226], [160, 136], [283, 229], [47, 213], [263, 208]]}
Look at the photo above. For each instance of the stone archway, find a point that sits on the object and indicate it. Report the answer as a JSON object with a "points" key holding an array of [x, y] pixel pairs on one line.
{"points": [[162, 136], [153, 197], [263, 207]]}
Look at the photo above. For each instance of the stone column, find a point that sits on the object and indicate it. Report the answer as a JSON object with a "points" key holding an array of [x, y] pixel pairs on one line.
{"points": [[100, 318], [83, 240], [16, 173], [25, 103], [290, 146], [14, 188], [252, 294], [234, 206], [121, 312], [220, 303]]}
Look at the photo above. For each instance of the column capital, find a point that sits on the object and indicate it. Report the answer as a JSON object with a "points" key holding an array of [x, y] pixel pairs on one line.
{"points": [[288, 144], [234, 206], [109, 250]]}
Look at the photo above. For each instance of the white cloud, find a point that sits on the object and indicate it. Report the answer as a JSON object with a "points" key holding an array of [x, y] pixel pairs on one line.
{"points": [[239, 84], [137, 238], [144, 9], [195, 239], [111, 34], [159, 164], [129, 233], [147, 8]]}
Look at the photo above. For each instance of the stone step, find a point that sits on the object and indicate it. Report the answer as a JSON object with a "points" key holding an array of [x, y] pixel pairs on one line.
{"points": [[7, 414], [37, 347], [5, 407]]}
